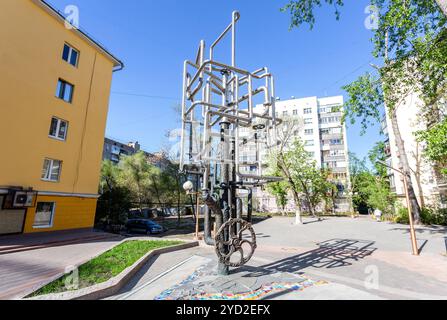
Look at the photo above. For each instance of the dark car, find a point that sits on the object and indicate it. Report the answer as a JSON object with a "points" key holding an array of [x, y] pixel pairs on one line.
{"points": [[143, 226]]}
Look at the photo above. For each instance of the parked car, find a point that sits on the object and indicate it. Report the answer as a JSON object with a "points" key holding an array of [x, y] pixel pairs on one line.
{"points": [[144, 226]]}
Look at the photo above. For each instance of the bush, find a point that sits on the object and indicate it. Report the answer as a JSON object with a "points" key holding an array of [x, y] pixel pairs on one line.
{"points": [[429, 216], [402, 216], [433, 216]]}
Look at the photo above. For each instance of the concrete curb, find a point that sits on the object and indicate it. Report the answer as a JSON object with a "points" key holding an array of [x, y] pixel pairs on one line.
{"points": [[112, 286], [18, 249]]}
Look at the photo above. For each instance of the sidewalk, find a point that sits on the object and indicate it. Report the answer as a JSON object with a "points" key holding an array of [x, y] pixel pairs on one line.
{"points": [[26, 242], [20, 272]]}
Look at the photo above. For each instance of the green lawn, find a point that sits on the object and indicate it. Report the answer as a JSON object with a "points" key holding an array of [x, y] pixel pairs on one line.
{"points": [[107, 265]]}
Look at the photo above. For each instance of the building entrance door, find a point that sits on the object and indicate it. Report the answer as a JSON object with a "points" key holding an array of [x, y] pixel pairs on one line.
{"points": [[11, 221]]}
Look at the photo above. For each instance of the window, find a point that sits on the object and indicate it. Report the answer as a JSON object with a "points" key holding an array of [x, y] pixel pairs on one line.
{"points": [[336, 141], [308, 121], [325, 109], [336, 153], [310, 143], [58, 129], [309, 132], [295, 112], [51, 170], [308, 111], [44, 215], [70, 55], [284, 113], [64, 91]]}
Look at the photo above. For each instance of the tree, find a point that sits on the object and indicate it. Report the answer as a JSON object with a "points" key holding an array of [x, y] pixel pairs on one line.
{"points": [[135, 173], [308, 184], [115, 199], [413, 31], [279, 159], [377, 155], [436, 138], [371, 189], [280, 190]]}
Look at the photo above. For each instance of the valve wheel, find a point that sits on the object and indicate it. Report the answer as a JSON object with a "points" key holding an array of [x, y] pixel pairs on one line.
{"points": [[238, 247]]}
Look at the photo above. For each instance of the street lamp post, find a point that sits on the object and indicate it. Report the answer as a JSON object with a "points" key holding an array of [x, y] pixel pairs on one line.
{"points": [[189, 188], [410, 215]]}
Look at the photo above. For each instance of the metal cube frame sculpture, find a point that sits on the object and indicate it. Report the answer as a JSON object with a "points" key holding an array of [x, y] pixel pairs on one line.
{"points": [[218, 103]]}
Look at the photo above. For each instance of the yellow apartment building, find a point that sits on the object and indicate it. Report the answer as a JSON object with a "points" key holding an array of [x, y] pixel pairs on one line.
{"points": [[54, 95]]}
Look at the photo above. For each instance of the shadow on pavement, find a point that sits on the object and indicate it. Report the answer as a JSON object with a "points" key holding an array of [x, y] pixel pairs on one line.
{"points": [[423, 229], [333, 253], [314, 221]]}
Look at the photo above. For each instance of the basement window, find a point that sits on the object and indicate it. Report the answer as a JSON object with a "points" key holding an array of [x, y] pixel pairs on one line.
{"points": [[70, 55], [43, 217], [58, 129], [64, 91]]}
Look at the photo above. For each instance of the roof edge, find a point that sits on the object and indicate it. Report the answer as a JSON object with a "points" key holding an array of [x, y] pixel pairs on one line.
{"points": [[118, 64]]}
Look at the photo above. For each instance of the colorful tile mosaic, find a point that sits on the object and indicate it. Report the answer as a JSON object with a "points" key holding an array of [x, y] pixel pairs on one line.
{"points": [[265, 290], [178, 292]]}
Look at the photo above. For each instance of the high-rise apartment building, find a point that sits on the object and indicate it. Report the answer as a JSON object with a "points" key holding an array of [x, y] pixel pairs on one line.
{"points": [[324, 136], [430, 185]]}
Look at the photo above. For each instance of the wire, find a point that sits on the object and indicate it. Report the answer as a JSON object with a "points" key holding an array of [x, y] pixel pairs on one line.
{"points": [[143, 95], [348, 74]]}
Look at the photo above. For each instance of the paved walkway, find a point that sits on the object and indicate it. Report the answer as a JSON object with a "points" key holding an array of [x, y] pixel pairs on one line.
{"points": [[356, 259], [21, 272]]}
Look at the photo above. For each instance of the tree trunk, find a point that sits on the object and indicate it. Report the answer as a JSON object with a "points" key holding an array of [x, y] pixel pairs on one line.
{"points": [[442, 5], [415, 208], [418, 175], [298, 218]]}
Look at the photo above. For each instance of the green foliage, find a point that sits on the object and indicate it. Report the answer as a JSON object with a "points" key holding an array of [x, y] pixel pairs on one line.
{"points": [[303, 11], [136, 173], [365, 100], [370, 189], [376, 154], [115, 200], [412, 39], [402, 216], [436, 139], [108, 265], [136, 181], [279, 190], [431, 216], [301, 175]]}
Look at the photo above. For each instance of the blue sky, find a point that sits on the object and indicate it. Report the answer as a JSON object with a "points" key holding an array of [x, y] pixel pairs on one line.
{"points": [[153, 38]]}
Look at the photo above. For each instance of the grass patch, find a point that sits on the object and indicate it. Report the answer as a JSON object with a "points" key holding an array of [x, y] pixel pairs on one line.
{"points": [[107, 265]]}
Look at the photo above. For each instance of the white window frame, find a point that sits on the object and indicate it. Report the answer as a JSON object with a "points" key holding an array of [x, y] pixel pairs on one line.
{"points": [[70, 52], [309, 132], [309, 143], [58, 127], [47, 177], [308, 121], [52, 216]]}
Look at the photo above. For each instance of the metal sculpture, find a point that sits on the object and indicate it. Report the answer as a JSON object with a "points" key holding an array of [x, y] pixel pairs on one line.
{"points": [[220, 123]]}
